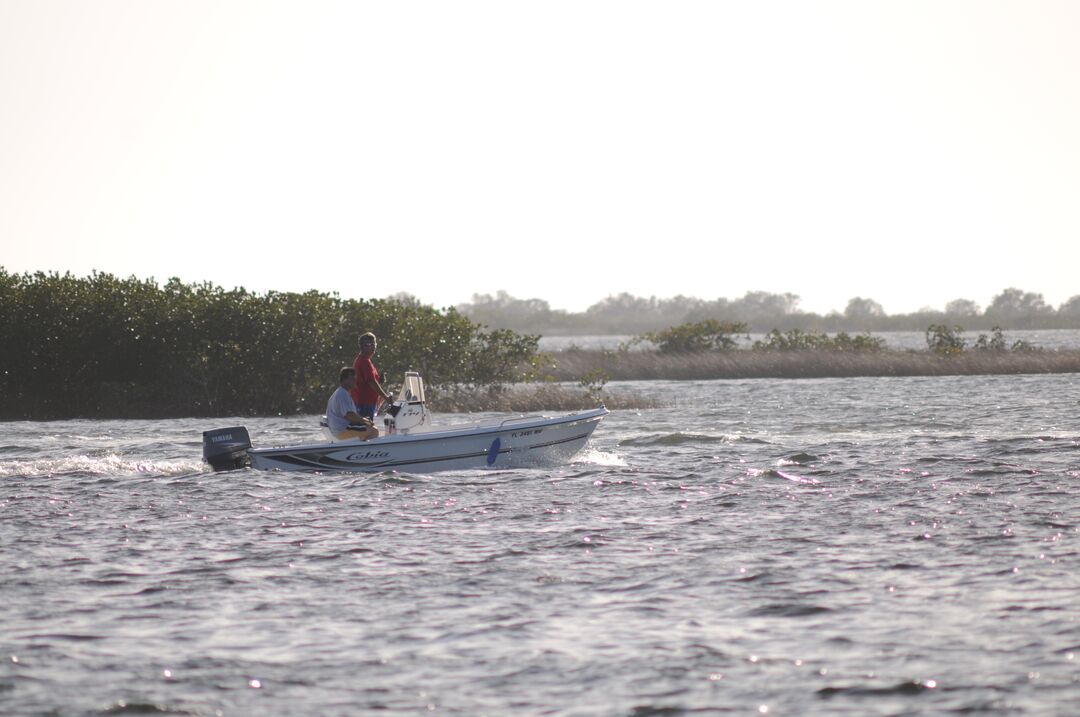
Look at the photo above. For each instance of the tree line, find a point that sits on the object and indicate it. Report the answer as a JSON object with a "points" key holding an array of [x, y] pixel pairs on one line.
{"points": [[762, 311], [102, 346], [712, 336]]}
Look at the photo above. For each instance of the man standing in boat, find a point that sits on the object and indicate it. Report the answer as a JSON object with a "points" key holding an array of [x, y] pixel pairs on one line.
{"points": [[368, 392], [341, 416]]}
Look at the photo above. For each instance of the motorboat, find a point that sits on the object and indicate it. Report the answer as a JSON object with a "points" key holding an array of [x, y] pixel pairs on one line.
{"points": [[409, 442]]}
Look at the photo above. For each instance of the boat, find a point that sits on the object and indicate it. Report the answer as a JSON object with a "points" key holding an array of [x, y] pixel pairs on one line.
{"points": [[410, 442]]}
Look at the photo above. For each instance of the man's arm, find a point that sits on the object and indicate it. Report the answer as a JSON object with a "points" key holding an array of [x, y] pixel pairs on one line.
{"points": [[355, 418], [379, 389]]}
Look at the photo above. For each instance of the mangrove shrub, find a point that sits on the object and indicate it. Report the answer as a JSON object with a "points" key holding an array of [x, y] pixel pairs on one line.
{"points": [[101, 346], [799, 340], [708, 335]]}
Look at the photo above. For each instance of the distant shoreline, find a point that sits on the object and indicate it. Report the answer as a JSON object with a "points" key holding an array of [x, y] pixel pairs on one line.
{"points": [[1011, 309], [592, 369], [913, 340]]}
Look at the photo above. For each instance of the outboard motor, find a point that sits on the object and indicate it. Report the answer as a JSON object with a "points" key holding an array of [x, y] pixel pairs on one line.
{"points": [[226, 449]]}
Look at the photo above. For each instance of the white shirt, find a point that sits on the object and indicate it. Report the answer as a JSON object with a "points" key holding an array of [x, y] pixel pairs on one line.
{"points": [[339, 404]]}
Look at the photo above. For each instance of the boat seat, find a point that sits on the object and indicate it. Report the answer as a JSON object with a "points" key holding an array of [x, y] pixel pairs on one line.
{"points": [[328, 434]]}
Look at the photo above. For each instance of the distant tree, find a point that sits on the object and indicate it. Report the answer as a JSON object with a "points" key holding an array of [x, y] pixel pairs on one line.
{"points": [[757, 308], [1070, 308], [719, 308], [504, 311], [504, 302], [762, 303], [628, 313], [963, 308], [1015, 304], [621, 304], [678, 307], [859, 308], [405, 299]]}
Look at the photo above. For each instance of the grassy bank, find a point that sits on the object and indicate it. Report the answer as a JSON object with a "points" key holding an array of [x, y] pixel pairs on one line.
{"points": [[642, 366], [529, 398], [593, 368]]}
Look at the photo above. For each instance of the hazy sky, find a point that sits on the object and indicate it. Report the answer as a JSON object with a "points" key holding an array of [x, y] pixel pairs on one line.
{"points": [[910, 152]]}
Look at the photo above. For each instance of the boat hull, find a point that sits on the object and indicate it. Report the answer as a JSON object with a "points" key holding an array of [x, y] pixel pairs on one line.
{"points": [[514, 443]]}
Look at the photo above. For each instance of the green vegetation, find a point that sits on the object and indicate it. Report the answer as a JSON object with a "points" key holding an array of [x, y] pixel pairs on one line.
{"points": [[800, 354], [709, 335], [593, 384], [996, 342], [798, 340], [946, 341], [106, 347]]}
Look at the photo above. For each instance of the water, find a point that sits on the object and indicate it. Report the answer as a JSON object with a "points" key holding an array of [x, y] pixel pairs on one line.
{"points": [[901, 546]]}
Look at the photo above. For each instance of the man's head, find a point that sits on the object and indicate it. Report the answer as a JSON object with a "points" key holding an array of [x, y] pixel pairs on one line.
{"points": [[347, 376], [367, 343]]}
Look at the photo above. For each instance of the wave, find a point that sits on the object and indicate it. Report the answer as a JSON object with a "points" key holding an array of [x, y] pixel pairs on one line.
{"points": [[143, 708], [904, 688], [788, 610], [773, 473], [799, 459], [680, 439]]}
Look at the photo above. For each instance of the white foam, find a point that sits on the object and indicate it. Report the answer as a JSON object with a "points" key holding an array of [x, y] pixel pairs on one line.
{"points": [[111, 465], [597, 457]]}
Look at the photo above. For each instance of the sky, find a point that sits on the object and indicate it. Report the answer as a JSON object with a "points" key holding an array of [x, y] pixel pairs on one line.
{"points": [[911, 152]]}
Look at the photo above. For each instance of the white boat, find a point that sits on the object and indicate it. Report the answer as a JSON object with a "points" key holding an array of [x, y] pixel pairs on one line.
{"points": [[409, 442]]}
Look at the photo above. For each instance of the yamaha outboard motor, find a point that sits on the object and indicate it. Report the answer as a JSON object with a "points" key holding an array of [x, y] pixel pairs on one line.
{"points": [[226, 448]]}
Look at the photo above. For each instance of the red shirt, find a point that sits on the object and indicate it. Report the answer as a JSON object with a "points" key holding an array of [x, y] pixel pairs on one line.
{"points": [[363, 394]]}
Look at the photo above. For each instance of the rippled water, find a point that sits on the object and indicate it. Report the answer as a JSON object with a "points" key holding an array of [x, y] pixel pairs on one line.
{"points": [[900, 546]]}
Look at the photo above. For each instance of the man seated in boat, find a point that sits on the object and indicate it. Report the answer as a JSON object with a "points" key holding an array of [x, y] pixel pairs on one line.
{"points": [[341, 415]]}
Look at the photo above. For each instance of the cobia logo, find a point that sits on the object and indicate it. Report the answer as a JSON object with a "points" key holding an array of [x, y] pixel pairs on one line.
{"points": [[367, 455]]}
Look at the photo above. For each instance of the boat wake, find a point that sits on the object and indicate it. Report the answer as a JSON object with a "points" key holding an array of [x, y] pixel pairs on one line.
{"points": [[107, 465], [682, 439], [597, 457]]}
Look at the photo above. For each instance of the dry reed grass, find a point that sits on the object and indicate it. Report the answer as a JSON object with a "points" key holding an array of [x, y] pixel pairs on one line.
{"points": [[643, 366], [573, 366], [526, 398]]}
